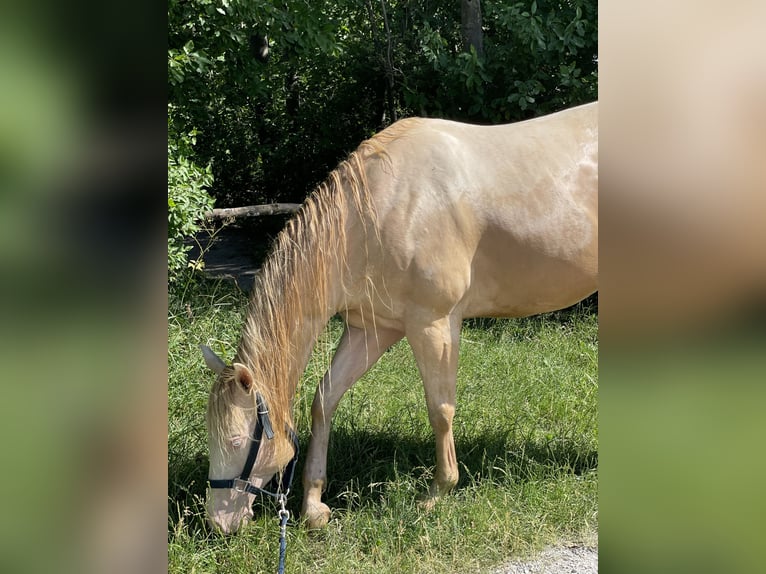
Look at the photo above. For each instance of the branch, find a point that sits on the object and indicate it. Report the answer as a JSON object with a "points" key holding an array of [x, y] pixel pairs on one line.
{"points": [[253, 210]]}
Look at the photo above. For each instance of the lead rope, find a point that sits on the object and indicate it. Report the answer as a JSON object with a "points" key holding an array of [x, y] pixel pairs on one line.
{"points": [[284, 516]]}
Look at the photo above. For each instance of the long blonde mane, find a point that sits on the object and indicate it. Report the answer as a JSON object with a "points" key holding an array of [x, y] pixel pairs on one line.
{"points": [[300, 286]]}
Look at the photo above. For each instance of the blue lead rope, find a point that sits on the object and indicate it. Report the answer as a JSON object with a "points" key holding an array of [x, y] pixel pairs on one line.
{"points": [[284, 516]]}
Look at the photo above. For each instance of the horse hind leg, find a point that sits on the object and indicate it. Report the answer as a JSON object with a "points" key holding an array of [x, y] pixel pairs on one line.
{"points": [[436, 346], [358, 350]]}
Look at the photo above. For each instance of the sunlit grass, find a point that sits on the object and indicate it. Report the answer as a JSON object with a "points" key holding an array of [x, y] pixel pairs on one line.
{"points": [[525, 431]]}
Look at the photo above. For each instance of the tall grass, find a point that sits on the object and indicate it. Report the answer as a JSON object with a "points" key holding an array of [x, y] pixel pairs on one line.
{"points": [[525, 432]]}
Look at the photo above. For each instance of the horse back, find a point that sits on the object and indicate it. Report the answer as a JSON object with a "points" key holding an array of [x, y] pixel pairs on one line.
{"points": [[485, 220]]}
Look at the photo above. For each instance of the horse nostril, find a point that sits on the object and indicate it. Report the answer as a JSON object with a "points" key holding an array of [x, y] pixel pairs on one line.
{"points": [[220, 526], [227, 528]]}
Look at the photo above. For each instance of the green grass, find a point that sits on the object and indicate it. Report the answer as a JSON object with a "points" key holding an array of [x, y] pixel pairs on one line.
{"points": [[525, 432]]}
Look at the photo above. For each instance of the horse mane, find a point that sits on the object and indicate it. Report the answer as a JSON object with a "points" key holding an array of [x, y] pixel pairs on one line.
{"points": [[300, 280]]}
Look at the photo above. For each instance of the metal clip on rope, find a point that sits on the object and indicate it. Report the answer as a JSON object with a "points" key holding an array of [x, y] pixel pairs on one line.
{"points": [[284, 516]]}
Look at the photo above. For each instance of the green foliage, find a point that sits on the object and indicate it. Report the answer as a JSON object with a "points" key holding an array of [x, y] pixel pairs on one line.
{"points": [[539, 57], [188, 199], [340, 71], [256, 123]]}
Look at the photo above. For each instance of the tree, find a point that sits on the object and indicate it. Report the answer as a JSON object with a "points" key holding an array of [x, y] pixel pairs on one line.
{"points": [[470, 21], [338, 71]]}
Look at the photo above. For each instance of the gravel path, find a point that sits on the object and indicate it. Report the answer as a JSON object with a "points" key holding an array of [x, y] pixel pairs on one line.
{"points": [[556, 560]]}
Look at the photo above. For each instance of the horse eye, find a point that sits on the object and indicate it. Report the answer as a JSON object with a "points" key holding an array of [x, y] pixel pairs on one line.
{"points": [[236, 442]]}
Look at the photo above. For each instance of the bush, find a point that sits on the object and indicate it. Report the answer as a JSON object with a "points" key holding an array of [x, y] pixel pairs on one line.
{"points": [[188, 200]]}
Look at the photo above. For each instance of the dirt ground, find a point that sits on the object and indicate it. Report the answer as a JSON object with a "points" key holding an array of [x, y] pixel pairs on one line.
{"points": [[236, 251]]}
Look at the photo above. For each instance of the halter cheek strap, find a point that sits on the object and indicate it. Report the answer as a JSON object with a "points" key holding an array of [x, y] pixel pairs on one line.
{"points": [[243, 484]]}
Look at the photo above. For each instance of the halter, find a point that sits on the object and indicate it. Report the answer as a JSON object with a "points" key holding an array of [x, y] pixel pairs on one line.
{"points": [[243, 484]]}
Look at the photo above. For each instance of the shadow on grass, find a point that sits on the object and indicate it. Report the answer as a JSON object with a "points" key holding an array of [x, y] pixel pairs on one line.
{"points": [[187, 477], [376, 459], [367, 463], [568, 315]]}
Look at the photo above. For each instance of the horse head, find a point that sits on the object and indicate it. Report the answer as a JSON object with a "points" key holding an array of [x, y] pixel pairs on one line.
{"points": [[245, 452]]}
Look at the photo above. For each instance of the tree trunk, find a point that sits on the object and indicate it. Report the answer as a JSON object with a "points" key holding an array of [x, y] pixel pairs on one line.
{"points": [[388, 65], [253, 210], [470, 25]]}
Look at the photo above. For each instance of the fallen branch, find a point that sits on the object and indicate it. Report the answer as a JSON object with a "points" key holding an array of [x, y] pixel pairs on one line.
{"points": [[252, 210]]}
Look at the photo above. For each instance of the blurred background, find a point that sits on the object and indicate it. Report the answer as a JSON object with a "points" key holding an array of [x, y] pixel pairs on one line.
{"points": [[83, 284], [683, 229], [87, 95]]}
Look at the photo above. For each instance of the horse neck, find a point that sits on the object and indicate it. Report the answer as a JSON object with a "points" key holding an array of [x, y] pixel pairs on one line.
{"points": [[300, 287]]}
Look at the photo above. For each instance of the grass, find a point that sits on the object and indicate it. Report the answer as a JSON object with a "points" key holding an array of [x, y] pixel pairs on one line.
{"points": [[525, 431]]}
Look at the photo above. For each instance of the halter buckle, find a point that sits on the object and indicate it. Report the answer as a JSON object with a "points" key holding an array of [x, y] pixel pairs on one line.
{"points": [[240, 485]]}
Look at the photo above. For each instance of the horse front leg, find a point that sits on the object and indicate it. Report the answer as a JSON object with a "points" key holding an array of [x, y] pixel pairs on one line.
{"points": [[436, 347], [358, 350]]}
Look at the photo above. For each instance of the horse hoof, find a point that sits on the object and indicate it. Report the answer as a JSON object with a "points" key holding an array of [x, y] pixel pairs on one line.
{"points": [[427, 502], [317, 516]]}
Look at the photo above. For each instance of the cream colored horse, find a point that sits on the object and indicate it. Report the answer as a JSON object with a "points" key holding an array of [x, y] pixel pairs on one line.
{"points": [[427, 223]]}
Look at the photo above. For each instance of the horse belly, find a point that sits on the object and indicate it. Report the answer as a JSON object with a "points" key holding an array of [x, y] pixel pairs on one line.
{"points": [[512, 278]]}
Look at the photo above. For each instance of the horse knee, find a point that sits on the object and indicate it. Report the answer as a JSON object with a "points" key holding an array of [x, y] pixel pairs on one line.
{"points": [[441, 417]]}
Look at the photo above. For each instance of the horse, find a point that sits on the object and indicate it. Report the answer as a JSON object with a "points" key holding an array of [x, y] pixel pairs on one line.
{"points": [[425, 224]]}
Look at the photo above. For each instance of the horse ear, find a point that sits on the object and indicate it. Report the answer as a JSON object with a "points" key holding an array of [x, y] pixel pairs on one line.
{"points": [[243, 376], [213, 361]]}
